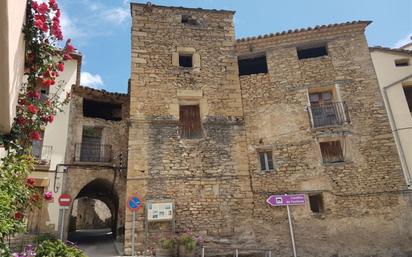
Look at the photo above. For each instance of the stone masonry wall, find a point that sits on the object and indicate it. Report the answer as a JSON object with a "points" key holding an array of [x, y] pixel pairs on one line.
{"points": [[365, 208], [99, 176], [215, 181], [206, 177]]}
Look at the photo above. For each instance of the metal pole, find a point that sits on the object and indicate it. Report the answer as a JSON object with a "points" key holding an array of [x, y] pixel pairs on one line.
{"points": [[133, 232], [62, 224], [291, 231], [237, 253], [270, 253], [203, 251]]}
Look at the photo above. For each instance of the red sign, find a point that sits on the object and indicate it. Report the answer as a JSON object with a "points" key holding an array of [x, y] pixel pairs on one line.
{"points": [[134, 203], [65, 200]]}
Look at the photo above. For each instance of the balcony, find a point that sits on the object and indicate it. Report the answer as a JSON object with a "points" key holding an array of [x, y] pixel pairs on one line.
{"points": [[42, 154], [328, 114], [95, 153]]}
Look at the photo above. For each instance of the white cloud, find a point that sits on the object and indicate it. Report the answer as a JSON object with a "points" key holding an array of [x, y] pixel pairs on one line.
{"points": [[90, 80], [407, 39], [69, 29], [116, 15]]}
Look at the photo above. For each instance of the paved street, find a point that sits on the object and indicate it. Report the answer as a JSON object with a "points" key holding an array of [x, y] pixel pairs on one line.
{"points": [[96, 243]]}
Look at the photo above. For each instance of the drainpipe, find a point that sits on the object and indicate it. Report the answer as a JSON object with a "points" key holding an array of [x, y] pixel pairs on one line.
{"points": [[395, 130]]}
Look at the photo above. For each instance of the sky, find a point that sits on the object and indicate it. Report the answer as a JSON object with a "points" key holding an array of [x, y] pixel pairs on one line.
{"points": [[100, 29]]}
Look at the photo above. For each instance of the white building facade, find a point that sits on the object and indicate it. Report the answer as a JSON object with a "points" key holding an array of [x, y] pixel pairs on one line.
{"points": [[394, 72]]}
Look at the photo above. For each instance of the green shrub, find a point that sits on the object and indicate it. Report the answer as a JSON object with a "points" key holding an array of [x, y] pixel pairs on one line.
{"points": [[57, 249], [188, 241]]}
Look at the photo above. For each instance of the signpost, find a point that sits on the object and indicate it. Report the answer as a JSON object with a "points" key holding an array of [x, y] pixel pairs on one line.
{"points": [[286, 200], [64, 202], [134, 203]]}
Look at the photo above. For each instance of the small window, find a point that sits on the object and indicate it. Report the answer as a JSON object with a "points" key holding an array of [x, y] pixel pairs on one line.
{"points": [[254, 65], [408, 94], [266, 161], [331, 152], [316, 203], [312, 52], [190, 124], [402, 62], [185, 18], [186, 60], [44, 93]]}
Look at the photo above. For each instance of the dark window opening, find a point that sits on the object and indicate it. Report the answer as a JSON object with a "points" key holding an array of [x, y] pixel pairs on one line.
{"points": [[187, 19], [331, 152], [185, 60], [91, 149], [44, 93], [312, 52], [266, 161], [316, 203], [190, 123], [402, 62], [253, 66], [103, 110], [408, 95]]}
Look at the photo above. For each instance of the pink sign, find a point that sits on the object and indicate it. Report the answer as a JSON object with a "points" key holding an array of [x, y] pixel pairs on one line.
{"points": [[283, 200]]}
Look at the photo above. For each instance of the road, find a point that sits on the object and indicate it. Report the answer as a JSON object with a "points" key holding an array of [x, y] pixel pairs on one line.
{"points": [[95, 243]]}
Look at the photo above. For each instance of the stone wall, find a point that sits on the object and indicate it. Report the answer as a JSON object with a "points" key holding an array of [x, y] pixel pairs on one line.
{"points": [[103, 179], [215, 181], [363, 196], [207, 177]]}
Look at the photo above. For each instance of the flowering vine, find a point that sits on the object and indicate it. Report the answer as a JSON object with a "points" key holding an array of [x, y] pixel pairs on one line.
{"points": [[44, 62]]}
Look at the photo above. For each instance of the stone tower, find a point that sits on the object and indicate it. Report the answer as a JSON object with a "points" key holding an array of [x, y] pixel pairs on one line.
{"points": [[187, 138]]}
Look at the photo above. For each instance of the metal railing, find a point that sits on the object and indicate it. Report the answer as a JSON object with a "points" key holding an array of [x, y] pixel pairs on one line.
{"points": [[328, 114], [93, 153], [42, 153]]}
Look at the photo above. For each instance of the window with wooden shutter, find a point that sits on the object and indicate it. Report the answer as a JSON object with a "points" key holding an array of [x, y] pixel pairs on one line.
{"points": [[190, 125], [331, 152], [408, 95]]}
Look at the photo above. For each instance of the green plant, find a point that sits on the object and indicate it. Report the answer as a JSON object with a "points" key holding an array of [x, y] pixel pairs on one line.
{"points": [[188, 241], [57, 249], [45, 237], [167, 243]]}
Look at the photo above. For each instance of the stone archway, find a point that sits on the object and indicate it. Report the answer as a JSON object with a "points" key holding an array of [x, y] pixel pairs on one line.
{"points": [[98, 190]]}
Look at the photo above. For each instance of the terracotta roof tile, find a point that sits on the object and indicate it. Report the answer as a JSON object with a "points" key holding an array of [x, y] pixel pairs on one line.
{"points": [[318, 27]]}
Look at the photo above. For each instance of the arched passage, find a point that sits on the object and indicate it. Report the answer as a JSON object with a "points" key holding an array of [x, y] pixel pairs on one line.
{"points": [[96, 206]]}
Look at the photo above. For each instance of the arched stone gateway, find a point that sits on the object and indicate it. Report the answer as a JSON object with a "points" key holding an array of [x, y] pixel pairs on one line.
{"points": [[87, 213], [98, 194]]}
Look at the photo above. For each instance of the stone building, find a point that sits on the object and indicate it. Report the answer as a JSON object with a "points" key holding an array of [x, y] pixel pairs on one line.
{"points": [[96, 157], [394, 72], [217, 125]]}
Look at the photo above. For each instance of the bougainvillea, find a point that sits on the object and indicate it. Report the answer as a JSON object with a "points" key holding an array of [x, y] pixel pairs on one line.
{"points": [[44, 61]]}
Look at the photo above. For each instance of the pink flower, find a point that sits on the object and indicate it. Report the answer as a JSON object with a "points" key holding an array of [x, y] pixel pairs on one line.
{"points": [[20, 121], [48, 195], [18, 216], [34, 5], [43, 8], [30, 182], [38, 24], [32, 109], [53, 4], [47, 82], [67, 57], [60, 66], [35, 135]]}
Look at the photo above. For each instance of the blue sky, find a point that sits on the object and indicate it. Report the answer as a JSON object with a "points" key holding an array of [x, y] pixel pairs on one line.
{"points": [[100, 29]]}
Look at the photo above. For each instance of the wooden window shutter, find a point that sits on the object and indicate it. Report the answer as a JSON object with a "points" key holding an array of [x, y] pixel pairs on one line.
{"points": [[190, 125], [331, 152]]}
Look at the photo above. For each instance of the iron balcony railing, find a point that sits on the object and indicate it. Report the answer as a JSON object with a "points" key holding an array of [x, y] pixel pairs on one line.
{"points": [[328, 114], [42, 153], [93, 153]]}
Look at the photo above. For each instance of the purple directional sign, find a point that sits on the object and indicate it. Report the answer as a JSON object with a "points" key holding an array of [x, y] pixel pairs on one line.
{"points": [[283, 200]]}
